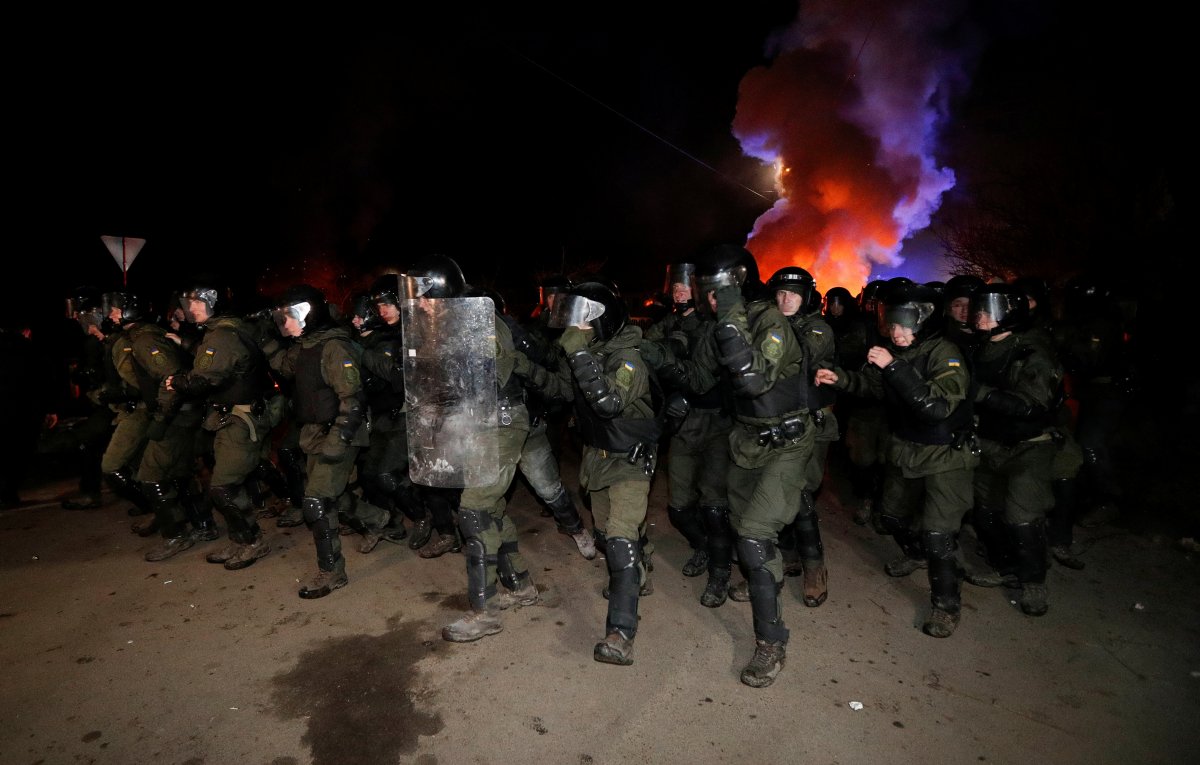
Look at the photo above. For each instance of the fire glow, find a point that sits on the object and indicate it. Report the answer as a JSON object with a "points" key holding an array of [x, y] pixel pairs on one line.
{"points": [[847, 113]]}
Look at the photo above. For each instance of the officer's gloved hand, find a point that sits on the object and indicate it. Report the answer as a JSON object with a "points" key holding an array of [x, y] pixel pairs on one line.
{"points": [[574, 339], [157, 429], [522, 366], [652, 353], [333, 449], [728, 299]]}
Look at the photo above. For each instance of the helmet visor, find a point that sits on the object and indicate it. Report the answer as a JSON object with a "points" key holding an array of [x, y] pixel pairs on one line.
{"points": [[297, 311], [574, 311], [990, 305], [416, 286], [908, 315]]}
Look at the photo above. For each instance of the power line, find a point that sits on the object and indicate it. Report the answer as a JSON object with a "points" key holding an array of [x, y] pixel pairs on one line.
{"points": [[639, 126]]}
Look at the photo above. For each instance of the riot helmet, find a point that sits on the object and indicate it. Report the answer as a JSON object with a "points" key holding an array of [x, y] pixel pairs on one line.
{"points": [[488, 292], [363, 315], [838, 302], [868, 298], [1007, 305], [593, 304], [127, 307], [956, 298], [904, 303], [793, 279], [85, 305], [554, 284], [726, 265], [306, 305], [386, 289], [680, 274], [434, 276], [202, 299]]}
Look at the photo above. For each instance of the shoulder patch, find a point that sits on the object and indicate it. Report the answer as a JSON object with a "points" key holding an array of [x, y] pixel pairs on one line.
{"points": [[954, 363], [204, 360], [157, 357], [351, 372], [625, 374], [772, 346]]}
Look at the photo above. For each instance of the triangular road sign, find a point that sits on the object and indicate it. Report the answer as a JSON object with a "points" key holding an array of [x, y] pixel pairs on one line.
{"points": [[123, 249]]}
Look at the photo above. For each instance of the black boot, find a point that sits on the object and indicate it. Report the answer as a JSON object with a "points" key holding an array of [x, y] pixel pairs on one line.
{"points": [[320, 516], [910, 543], [718, 537], [1030, 543], [620, 625], [945, 587], [770, 634], [689, 522]]}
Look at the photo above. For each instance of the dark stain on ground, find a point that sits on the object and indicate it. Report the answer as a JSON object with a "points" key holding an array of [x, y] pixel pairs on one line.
{"points": [[7, 616], [456, 601], [85, 659], [284, 761], [359, 695], [91, 736], [431, 596]]}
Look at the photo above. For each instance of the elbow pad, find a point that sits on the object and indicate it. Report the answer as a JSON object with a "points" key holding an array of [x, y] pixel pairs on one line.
{"points": [[1006, 403], [914, 391], [590, 377], [736, 355], [349, 419]]}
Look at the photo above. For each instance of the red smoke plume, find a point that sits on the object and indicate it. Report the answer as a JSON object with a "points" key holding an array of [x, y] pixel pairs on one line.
{"points": [[848, 112]]}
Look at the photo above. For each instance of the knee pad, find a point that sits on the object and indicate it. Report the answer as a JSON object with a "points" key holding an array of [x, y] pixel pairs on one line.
{"points": [[939, 545]]}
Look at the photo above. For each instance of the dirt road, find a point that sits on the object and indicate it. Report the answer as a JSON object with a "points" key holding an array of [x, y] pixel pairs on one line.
{"points": [[109, 659]]}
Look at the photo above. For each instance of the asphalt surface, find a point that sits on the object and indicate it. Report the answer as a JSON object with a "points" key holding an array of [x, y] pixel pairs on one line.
{"points": [[110, 659]]}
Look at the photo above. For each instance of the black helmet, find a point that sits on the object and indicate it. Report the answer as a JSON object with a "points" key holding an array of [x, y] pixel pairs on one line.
{"points": [[961, 286], [1008, 304], [132, 308], [386, 289], [592, 303], [727, 265], [85, 305], [868, 298], [813, 304], [552, 284], [793, 279], [680, 273], [487, 292], [434, 276], [306, 304], [207, 290], [904, 302], [362, 307], [839, 296]]}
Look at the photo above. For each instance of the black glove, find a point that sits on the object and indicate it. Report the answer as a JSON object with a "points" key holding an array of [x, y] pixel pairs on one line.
{"points": [[652, 354], [728, 298]]}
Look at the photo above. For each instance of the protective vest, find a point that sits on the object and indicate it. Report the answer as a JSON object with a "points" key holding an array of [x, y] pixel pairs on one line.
{"points": [[910, 426], [315, 402], [148, 382], [997, 372], [248, 387], [385, 395], [620, 434]]}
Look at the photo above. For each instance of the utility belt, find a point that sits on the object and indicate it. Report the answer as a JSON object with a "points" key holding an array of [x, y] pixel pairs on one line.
{"points": [[247, 413], [786, 432], [638, 453], [255, 408]]}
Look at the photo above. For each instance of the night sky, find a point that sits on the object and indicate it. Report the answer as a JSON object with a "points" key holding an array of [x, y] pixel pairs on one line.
{"points": [[327, 148]]}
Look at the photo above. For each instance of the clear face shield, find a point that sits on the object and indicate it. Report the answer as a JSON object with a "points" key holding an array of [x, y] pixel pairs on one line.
{"points": [[414, 287], [298, 311], [990, 309], [87, 317], [702, 285], [909, 315], [205, 295], [680, 285], [574, 311]]}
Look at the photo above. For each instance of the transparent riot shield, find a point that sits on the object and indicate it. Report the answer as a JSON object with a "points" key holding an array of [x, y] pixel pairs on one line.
{"points": [[450, 389]]}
